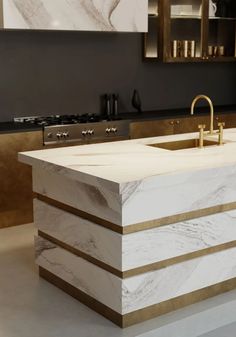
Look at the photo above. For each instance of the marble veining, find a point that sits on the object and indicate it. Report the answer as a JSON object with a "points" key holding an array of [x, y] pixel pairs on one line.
{"points": [[94, 240], [91, 199], [94, 281], [140, 291], [162, 243], [154, 287], [126, 252], [125, 163], [96, 15], [173, 194]]}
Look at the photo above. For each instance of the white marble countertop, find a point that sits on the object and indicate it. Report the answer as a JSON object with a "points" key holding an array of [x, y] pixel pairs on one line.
{"points": [[132, 161]]}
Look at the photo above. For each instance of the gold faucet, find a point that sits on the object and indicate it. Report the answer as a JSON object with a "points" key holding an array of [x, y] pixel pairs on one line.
{"points": [[198, 97]]}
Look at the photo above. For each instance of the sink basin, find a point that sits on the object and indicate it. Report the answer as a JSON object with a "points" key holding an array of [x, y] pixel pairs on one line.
{"points": [[183, 144]]}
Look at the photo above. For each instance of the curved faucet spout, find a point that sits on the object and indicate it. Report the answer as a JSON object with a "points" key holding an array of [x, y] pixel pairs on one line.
{"points": [[195, 100]]}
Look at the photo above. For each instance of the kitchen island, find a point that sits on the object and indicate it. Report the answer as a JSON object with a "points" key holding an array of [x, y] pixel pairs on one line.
{"points": [[134, 230]]}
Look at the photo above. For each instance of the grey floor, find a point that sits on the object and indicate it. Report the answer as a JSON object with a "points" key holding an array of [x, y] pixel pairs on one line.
{"points": [[31, 307]]}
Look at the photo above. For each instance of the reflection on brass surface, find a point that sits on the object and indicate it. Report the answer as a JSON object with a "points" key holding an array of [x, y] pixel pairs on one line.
{"points": [[142, 314], [142, 225], [16, 205], [142, 269], [183, 144]]}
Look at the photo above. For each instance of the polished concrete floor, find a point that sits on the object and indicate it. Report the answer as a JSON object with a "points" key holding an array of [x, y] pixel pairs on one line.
{"points": [[31, 307]]}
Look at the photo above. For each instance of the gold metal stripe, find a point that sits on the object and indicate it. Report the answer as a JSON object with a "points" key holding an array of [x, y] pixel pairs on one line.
{"points": [[177, 303], [79, 253], [142, 314], [143, 269], [142, 225], [1, 15], [82, 214], [81, 296]]}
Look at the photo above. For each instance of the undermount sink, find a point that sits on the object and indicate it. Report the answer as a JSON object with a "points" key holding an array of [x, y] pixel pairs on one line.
{"points": [[183, 144]]}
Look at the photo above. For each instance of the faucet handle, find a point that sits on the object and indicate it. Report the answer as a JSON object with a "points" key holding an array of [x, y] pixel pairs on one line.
{"points": [[221, 125], [201, 126]]}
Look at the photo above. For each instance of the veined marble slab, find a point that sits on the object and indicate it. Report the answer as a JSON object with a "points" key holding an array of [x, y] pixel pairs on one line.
{"points": [[125, 252], [125, 164], [95, 200], [127, 295], [94, 240], [129, 182], [155, 198], [94, 15]]}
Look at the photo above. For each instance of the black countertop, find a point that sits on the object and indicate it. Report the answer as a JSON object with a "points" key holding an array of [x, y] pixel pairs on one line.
{"points": [[177, 113], [8, 127]]}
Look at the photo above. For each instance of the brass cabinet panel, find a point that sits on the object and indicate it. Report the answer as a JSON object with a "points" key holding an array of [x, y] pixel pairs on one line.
{"points": [[15, 178], [164, 127], [151, 128], [184, 125], [228, 119]]}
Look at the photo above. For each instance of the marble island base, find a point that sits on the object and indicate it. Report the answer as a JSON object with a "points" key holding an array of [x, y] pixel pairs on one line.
{"points": [[133, 277], [135, 250]]}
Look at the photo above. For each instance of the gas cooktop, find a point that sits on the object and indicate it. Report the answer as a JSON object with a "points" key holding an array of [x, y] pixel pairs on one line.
{"points": [[86, 128], [62, 119]]}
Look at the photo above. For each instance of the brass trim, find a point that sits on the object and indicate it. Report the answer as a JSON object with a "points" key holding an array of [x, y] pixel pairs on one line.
{"points": [[142, 269], [142, 225], [79, 253], [178, 302], [1, 15], [142, 314], [82, 214], [81, 296]]}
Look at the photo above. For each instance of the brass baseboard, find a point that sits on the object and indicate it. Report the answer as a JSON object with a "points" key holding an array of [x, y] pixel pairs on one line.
{"points": [[81, 296], [142, 269], [142, 314], [142, 225]]}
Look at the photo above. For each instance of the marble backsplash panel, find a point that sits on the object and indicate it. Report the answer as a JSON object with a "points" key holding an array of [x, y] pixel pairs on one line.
{"points": [[85, 15]]}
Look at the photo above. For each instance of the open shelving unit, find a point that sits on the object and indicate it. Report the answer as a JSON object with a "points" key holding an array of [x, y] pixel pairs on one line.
{"points": [[151, 39], [182, 31]]}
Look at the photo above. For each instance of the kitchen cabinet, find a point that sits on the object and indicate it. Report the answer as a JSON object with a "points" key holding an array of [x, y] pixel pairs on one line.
{"points": [[90, 15], [192, 31], [151, 128], [16, 206], [228, 119], [162, 127]]}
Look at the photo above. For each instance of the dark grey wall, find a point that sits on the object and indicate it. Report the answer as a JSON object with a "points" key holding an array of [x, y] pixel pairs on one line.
{"points": [[66, 72]]}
